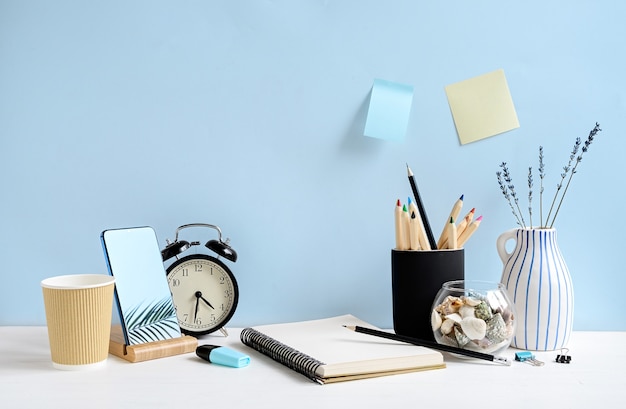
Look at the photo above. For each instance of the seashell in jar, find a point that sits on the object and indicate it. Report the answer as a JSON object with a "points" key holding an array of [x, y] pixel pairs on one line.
{"points": [[484, 343], [435, 320], [450, 305], [449, 340], [461, 338], [496, 329], [474, 328], [471, 301], [466, 311], [446, 326], [454, 317], [483, 311], [507, 315]]}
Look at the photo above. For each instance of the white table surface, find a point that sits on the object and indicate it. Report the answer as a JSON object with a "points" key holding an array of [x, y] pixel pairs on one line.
{"points": [[595, 377]]}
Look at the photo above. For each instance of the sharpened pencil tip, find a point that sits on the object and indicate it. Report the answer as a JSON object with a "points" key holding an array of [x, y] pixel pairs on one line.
{"points": [[350, 327]]}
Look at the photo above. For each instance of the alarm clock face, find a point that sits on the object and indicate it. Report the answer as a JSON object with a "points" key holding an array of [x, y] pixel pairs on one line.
{"points": [[204, 291]]}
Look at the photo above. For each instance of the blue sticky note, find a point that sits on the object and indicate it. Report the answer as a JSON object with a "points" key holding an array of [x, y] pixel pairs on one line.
{"points": [[389, 110]]}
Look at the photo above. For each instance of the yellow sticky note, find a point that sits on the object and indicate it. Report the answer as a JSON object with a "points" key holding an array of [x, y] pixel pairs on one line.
{"points": [[482, 107]]}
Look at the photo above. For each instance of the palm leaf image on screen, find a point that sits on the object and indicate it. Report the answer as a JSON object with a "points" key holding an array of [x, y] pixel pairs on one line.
{"points": [[154, 322]]}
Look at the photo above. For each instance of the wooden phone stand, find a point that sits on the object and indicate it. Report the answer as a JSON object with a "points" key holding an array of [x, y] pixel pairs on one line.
{"points": [[149, 350]]}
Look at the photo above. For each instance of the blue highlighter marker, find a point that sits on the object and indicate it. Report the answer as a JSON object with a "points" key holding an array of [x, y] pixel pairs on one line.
{"points": [[223, 356]]}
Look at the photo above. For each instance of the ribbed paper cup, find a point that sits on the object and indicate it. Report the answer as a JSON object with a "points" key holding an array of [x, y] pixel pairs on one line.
{"points": [[78, 314]]}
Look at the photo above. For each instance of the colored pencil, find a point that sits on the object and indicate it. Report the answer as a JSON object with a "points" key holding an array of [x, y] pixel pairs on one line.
{"points": [[469, 231], [454, 213]]}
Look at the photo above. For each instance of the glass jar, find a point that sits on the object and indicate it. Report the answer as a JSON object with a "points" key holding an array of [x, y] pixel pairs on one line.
{"points": [[474, 315]]}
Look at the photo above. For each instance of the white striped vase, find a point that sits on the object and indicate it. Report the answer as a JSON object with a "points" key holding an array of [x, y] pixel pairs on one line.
{"points": [[539, 283]]}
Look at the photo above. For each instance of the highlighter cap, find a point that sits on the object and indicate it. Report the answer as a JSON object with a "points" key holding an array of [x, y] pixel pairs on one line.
{"points": [[223, 356]]}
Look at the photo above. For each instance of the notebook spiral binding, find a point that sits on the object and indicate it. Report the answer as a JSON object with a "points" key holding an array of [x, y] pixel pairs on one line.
{"points": [[281, 353]]}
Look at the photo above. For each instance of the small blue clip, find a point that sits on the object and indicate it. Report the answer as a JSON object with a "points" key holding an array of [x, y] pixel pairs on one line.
{"points": [[528, 357]]}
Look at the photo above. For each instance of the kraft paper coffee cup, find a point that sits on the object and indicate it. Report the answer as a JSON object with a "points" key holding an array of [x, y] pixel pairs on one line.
{"points": [[78, 314]]}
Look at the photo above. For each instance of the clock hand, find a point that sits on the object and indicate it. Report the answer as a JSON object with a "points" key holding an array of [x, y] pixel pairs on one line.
{"points": [[199, 295], [195, 315], [208, 303]]}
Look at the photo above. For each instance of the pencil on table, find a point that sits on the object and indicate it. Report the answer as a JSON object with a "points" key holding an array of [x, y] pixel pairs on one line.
{"points": [[430, 344]]}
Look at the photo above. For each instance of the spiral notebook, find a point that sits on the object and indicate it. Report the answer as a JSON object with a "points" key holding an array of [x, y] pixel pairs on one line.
{"points": [[324, 351]]}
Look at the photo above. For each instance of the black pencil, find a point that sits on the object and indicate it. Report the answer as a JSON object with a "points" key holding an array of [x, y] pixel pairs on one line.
{"points": [[430, 344], [420, 207]]}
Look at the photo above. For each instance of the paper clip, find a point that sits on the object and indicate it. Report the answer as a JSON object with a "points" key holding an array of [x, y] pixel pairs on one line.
{"points": [[527, 357], [563, 359]]}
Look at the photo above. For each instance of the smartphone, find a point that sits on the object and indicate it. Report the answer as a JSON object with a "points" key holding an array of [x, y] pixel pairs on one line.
{"points": [[142, 294]]}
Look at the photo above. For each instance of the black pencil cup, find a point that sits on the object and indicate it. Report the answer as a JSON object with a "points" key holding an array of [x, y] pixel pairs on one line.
{"points": [[416, 278]]}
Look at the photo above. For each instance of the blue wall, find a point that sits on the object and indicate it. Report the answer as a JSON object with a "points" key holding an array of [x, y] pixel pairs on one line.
{"points": [[250, 115]]}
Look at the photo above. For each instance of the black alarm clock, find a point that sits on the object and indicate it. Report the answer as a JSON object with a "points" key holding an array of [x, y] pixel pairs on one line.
{"points": [[204, 289]]}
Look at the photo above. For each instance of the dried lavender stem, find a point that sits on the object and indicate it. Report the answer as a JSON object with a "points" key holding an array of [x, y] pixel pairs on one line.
{"points": [[508, 189], [566, 170], [585, 148], [505, 191], [541, 176], [530, 195]]}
